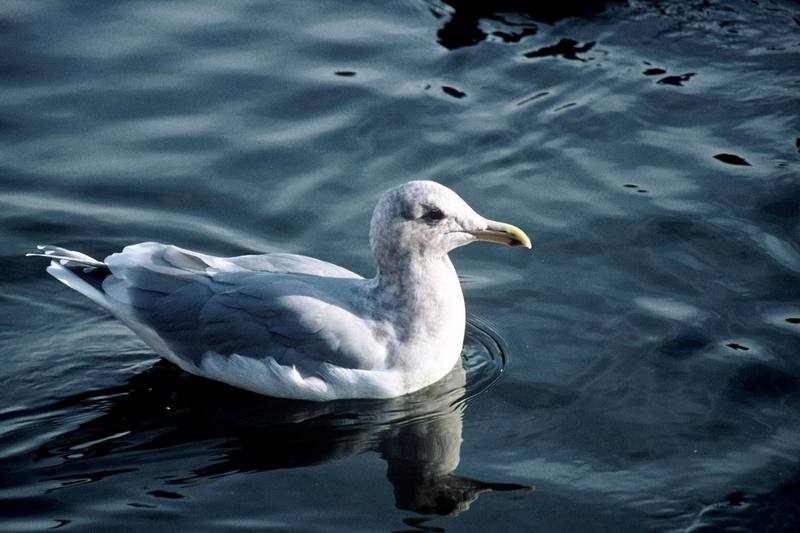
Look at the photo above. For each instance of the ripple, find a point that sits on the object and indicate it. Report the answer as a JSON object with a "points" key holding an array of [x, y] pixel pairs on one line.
{"points": [[484, 357], [160, 397], [202, 429]]}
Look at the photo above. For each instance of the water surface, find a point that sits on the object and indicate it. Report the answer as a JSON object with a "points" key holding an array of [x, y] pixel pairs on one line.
{"points": [[647, 350]]}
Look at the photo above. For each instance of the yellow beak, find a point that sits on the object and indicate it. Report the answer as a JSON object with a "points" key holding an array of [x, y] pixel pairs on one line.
{"points": [[503, 233]]}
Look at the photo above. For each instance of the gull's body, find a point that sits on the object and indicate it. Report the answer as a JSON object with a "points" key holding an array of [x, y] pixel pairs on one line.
{"points": [[296, 327]]}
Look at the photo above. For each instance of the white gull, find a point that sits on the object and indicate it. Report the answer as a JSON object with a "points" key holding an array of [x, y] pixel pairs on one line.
{"points": [[293, 326]]}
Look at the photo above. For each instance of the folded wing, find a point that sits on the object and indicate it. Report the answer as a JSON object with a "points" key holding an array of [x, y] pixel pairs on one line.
{"points": [[295, 310]]}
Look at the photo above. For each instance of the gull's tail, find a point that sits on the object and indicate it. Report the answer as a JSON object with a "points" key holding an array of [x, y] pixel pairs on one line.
{"points": [[77, 271], [67, 258]]}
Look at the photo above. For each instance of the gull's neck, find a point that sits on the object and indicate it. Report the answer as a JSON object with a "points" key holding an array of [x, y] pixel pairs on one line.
{"points": [[415, 275], [425, 291], [422, 307]]}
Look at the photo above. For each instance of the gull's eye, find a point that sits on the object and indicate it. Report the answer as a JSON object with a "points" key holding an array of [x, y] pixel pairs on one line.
{"points": [[433, 214]]}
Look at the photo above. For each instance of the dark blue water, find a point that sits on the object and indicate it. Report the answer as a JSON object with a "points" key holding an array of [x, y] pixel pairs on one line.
{"points": [[641, 368]]}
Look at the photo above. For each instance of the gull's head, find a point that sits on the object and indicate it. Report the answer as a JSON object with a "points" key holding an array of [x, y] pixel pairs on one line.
{"points": [[426, 219]]}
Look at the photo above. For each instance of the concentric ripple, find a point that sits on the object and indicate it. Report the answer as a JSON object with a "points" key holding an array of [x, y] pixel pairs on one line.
{"points": [[484, 357]]}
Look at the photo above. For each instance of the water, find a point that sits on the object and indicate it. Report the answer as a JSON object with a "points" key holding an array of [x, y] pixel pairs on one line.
{"points": [[647, 350]]}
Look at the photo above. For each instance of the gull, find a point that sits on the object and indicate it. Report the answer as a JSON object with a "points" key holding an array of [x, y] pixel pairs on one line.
{"points": [[292, 326]]}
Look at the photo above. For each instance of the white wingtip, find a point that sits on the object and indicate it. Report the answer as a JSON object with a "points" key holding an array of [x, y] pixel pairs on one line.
{"points": [[66, 257]]}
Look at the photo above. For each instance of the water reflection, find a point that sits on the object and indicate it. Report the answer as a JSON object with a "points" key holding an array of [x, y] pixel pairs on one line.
{"points": [[161, 409], [516, 18]]}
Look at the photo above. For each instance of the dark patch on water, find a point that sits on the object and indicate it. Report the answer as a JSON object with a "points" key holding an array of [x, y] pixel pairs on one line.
{"points": [[166, 494], [759, 381], [566, 48], [463, 28], [732, 159], [452, 91], [532, 98], [565, 106], [737, 346], [676, 81]]}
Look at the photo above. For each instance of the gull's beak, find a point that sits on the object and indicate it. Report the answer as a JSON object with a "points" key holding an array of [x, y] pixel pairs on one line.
{"points": [[502, 233]]}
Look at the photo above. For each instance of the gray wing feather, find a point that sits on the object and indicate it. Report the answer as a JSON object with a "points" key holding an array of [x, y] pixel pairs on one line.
{"points": [[249, 305], [298, 264]]}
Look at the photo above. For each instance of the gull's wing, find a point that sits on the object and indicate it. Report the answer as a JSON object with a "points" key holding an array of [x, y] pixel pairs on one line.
{"points": [[162, 255], [283, 262], [250, 306]]}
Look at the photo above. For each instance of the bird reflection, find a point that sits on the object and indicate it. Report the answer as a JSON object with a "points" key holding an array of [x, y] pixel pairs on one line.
{"points": [[418, 435]]}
